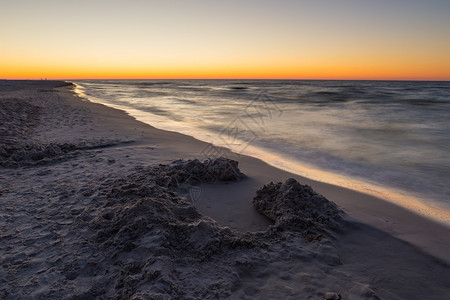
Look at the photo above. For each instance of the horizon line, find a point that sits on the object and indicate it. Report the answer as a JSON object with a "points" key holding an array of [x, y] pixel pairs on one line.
{"points": [[287, 79]]}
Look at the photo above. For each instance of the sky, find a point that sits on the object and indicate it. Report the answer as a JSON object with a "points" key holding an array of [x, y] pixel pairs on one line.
{"points": [[302, 39]]}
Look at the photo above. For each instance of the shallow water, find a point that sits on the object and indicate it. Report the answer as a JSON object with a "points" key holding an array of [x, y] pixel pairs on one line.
{"points": [[385, 135]]}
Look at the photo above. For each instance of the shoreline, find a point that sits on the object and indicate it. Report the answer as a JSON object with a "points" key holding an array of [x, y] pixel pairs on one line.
{"points": [[53, 210], [398, 197], [365, 208]]}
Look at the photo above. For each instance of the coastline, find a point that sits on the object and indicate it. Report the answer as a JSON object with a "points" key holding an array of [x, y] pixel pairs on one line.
{"points": [[366, 205], [125, 144], [424, 205]]}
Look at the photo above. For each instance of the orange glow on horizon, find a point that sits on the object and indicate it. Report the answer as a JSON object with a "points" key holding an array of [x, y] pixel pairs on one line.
{"points": [[336, 74], [233, 40], [333, 70], [324, 66]]}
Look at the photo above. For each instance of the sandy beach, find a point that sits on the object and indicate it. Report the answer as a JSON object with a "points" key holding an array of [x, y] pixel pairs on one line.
{"points": [[95, 204]]}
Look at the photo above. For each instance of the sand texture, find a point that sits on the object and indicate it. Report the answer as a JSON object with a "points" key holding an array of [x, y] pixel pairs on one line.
{"points": [[95, 205]]}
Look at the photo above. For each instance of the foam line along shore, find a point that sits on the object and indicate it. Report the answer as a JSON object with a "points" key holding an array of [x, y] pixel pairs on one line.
{"points": [[386, 139]]}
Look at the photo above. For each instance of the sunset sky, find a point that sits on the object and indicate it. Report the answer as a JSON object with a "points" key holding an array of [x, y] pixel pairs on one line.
{"points": [[320, 39]]}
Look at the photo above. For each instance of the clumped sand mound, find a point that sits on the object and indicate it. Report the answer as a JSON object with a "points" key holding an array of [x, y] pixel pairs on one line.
{"points": [[156, 245], [194, 171], [156, 242], [297, 207], [146, 199]]}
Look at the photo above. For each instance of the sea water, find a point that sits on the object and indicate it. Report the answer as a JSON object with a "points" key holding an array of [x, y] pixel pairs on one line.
{"points": [[368, 135]]}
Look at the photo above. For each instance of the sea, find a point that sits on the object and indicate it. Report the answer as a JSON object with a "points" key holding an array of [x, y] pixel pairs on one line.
{"points": [[386, 138]]}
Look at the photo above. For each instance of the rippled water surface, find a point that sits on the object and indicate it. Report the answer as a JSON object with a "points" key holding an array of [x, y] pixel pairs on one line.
{"points": [[389, 134]]}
